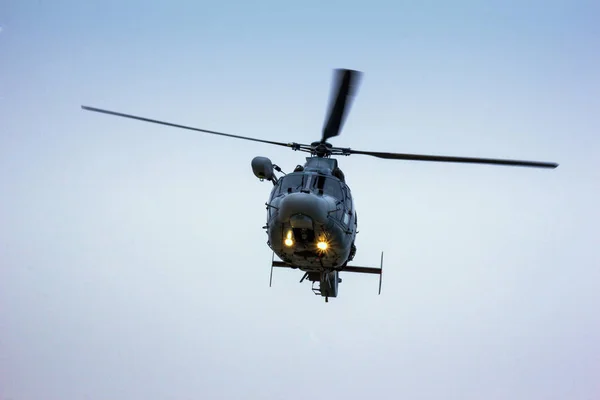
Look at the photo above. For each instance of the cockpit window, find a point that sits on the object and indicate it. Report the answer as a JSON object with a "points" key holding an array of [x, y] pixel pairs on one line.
{"points": [[329, 186], [291, 183]]}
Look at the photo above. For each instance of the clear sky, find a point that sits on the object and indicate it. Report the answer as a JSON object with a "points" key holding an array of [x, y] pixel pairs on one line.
{"points": [[132, 260]]}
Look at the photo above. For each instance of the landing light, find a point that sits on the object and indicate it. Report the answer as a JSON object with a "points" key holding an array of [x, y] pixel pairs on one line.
{"points": [[288, 240], [322, 245]]}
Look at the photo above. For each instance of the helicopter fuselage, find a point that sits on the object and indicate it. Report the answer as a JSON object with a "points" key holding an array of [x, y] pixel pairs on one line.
{"points": [[311, 219]]}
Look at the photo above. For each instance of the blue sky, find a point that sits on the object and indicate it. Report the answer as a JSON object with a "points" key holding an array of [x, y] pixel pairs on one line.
{"points": [[133, 263]]}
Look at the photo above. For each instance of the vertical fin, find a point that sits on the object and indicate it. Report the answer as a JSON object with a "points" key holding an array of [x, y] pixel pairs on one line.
{"points": [[380, 272], [271, 277]]}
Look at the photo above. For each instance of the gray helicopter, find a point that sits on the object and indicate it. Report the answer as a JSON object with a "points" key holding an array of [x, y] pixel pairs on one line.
{"points": [[311, 219]]}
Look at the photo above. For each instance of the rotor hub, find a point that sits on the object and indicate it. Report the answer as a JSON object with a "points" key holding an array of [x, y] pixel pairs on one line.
{"points": [[321, 149]]}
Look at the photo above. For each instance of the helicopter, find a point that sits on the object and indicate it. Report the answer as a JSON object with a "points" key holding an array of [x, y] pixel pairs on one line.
{"points": [[311, 218]]}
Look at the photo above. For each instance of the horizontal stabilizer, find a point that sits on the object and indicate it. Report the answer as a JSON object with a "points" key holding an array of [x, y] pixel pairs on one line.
{"points": [[347, 268], [363, 270]]}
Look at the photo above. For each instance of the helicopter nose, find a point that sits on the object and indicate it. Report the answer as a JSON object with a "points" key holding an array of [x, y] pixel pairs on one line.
{"points": [[306, 204]]}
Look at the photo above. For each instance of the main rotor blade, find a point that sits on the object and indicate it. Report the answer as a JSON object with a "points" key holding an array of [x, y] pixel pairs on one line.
{"points": [[470, 160], [185, 127], [346, 84]]}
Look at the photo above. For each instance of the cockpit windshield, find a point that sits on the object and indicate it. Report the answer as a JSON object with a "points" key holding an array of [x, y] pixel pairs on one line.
{"points": [[291, 183], [319, 184], [328, 186]]}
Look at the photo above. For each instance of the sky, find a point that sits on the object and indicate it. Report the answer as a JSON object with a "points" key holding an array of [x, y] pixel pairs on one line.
{"points": [[132, 260]]}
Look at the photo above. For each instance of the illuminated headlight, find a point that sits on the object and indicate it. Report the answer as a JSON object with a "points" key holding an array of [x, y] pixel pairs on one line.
{"points": [[322, 245], [289, 242]]}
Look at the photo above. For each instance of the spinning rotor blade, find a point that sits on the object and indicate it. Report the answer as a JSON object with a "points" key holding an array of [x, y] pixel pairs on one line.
{"points": [[186, 127], [471, 160], [346, 84]]}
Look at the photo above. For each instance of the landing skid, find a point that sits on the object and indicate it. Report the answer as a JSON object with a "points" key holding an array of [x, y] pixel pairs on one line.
{"points": [[328, 279]]}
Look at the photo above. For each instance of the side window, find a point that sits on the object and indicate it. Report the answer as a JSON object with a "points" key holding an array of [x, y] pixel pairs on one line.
{"points": [[347, 198], [274, 191]]}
